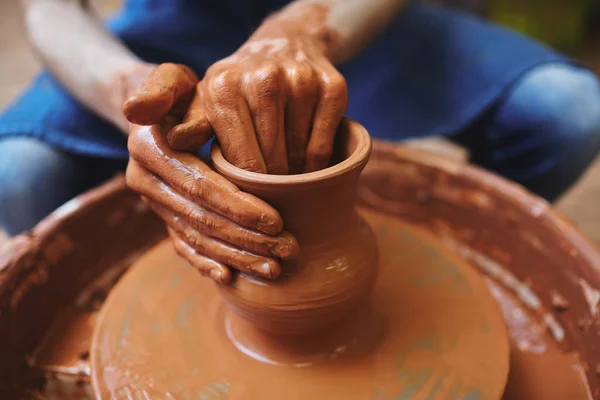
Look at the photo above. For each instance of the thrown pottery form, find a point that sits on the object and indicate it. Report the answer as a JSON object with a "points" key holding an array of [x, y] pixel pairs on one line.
{"points": [[338, 262]]}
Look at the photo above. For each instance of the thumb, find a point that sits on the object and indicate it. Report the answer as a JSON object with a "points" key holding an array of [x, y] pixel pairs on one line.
{"points": [[165, 88], [195, 129]]}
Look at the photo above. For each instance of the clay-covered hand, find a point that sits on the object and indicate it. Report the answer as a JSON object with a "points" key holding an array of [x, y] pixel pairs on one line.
{"points": [[213, 224], [275, 104]]}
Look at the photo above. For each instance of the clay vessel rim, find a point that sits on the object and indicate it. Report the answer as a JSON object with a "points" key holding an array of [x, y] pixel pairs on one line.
{"points": [[357, 159]]}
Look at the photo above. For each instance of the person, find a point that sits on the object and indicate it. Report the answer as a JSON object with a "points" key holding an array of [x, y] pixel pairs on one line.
{"points": [[276, 78]]}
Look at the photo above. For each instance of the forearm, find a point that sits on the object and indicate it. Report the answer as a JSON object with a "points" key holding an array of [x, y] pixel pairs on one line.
{"points": [[81, 54], [344, 27]]}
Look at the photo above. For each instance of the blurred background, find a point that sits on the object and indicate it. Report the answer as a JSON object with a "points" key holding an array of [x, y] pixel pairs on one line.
{"points": [[573, 26]]}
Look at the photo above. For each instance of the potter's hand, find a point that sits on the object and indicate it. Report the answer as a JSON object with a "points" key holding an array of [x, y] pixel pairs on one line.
{"points": [[213, 224], [275, 104]]}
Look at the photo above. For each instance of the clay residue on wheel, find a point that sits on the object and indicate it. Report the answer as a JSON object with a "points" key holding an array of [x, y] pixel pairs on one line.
{"points": [[502, 222], [42, 271]]}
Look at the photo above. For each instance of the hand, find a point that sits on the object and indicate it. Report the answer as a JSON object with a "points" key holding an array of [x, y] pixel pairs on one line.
{"points": [[276, 103], [212, 223]]}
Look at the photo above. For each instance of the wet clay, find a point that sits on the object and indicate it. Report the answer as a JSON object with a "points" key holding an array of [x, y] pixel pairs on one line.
{"points": [[43, 271], [539, 368], [68, 342], [492, 224], [337, 265], [163, 334]]}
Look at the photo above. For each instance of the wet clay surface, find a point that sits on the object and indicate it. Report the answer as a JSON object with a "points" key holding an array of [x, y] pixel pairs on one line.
{"points": [[208, 217], [66, 347], [43, 271], [162, 334], [337, 263], [516, 239], [539, 368], [510, 235]]}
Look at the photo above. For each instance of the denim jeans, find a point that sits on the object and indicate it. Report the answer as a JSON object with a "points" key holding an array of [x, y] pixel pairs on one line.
{"points": [[35, 179], [543, 134]]}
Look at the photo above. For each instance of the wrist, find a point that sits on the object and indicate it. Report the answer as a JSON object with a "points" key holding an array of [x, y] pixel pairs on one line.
{"points": [[300, 23]]}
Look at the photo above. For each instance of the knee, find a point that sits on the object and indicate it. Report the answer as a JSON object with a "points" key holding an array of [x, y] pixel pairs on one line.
{"points": [[28, 170], [559, 103], [548, 128]]}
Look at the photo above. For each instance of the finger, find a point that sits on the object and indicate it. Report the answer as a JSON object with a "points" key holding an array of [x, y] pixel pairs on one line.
{"points": [[195, 130], [217, 250], [204, 265], [168, 88], [207, 222], [230, 118], [301, 102], [264, 92], [332, 104], [196, 181]]}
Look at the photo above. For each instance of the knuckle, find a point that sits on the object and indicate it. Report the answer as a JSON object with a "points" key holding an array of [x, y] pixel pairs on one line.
{"points": [[222, 84], [193, 187], [335, 88], [247, 163], [302, 81], [246, 241], [197, 218], [266, 80], [190, 237], [204, 222]]}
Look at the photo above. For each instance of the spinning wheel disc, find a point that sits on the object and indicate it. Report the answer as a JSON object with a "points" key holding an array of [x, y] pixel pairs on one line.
{"points": [[161, 334]]}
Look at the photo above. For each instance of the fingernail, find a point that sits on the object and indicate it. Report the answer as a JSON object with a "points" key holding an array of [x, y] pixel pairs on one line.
{"points": [[268, 225], [217, 275], [286, 249], [265, 269]]}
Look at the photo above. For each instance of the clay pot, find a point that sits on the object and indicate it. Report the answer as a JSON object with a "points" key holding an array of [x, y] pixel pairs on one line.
{"points": [[338, 261]]}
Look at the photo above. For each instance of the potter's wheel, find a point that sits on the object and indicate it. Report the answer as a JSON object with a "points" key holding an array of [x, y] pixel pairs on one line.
{"points": [[162, 332], [541, 270]]}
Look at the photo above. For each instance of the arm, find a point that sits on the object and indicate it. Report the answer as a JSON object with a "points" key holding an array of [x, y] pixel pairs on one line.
{"points": [[345, 27], [93, 65]]}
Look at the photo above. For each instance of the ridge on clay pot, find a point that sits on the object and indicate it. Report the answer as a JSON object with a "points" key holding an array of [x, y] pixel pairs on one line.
{"points": [[338, 261]]}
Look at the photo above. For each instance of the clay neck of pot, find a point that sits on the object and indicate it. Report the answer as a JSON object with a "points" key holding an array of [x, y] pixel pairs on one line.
{"points": [[316, 207]]}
